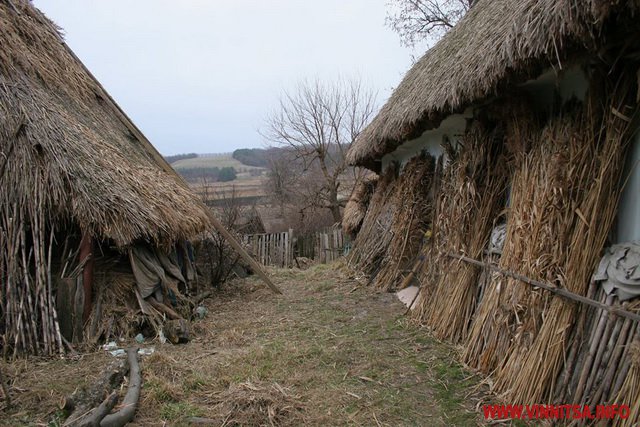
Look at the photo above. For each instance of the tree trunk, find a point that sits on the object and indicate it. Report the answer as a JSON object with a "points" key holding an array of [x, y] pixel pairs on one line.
{"points": [[334, 206]]}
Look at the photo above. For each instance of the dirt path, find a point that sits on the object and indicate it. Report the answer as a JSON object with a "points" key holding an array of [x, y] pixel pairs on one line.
{"points": [[328, 352]]}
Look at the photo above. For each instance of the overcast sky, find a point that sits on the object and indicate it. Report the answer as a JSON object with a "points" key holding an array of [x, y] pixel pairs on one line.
{"points": [[202, 75]]}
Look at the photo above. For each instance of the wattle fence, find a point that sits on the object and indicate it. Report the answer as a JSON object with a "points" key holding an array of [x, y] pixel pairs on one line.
{"points": [[282, 249]]}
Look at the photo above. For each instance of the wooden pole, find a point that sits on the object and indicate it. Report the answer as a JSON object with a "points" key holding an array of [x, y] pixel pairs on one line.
{"points": [[234, 243], [554, 289], [86, 249]]}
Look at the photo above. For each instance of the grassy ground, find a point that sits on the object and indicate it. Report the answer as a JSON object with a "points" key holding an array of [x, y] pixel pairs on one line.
{"points": [[328, 352]]}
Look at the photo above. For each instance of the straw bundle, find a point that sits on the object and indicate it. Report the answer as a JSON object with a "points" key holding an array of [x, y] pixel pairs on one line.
{"points": [[413, 199], [375, 234], [472, 194], [596, 155], [509, 315], [356, 207]]}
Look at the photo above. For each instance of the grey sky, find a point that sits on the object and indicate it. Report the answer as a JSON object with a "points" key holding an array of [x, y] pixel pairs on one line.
{"points": [[200, 76]]}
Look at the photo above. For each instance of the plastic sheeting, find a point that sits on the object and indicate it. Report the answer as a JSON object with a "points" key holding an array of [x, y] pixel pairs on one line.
{"points": [[619, 270]]}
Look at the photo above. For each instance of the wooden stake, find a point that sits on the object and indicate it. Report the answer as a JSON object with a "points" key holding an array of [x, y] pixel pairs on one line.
{"points": [[551, 288]]}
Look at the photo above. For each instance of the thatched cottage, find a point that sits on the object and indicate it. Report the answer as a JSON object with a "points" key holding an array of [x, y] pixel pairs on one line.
{"points": [[508, 157], [84, 197]]}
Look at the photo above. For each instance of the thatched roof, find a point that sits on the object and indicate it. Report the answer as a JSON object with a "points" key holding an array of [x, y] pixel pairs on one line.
{"points": [[496, 42], [67, 148]]}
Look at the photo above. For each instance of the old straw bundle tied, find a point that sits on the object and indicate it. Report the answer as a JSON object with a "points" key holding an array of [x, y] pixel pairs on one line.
{"points": [[375, 233], [534, 223], [356, 208], [414, 202], [471, 196]]}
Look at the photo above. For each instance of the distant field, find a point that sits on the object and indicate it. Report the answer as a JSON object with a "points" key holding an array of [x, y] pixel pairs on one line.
{"points": [[221, 161], [250, 187]]}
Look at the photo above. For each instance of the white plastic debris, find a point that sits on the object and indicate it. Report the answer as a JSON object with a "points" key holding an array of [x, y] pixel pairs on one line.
{"points": [[110, 346], [146, 351], [201, 312], [408, 296], [161, 337]]}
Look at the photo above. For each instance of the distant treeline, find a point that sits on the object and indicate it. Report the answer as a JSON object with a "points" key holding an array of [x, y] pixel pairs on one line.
{"points": [[210, 174], [173, 159], [258, 157]]}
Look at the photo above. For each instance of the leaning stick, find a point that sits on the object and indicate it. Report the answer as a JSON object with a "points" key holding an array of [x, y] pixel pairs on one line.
{"points": [[613, 364], [604, 343], [551, 288], [416, 266], [240, 250], [163, 308]]}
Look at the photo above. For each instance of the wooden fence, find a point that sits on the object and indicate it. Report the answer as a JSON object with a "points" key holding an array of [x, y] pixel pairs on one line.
{"points": [[280, 249], [271, 249]]}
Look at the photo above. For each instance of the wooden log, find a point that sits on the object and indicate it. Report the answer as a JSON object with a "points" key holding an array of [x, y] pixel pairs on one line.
{"points": [[84, 400], [94, 417], [130, 401]]}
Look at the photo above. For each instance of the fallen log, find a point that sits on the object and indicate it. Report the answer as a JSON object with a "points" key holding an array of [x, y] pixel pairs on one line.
{"points": [[130, 401], [97, 415], [82, 401]]}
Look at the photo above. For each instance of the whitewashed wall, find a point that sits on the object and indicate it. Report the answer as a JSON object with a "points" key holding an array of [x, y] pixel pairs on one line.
{"points": [[629, 207]]}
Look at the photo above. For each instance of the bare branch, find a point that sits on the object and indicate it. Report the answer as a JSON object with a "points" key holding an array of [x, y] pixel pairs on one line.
{"points": [[317, 123], [424, 20]]}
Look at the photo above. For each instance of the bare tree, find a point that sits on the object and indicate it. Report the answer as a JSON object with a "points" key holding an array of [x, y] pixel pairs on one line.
{"points": [[318, 123], [424, 20]]}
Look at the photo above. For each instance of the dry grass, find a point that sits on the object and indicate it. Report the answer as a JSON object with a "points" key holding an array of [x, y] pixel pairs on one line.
{"points": [[328, 352]]}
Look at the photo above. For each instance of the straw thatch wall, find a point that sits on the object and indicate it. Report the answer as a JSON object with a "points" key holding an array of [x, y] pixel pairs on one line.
{"points": [[495, 41], [472, 194], [73, 168], [356, 207], [549, 172]]}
